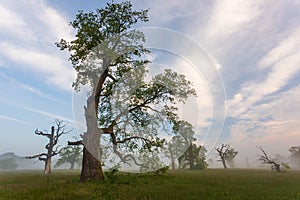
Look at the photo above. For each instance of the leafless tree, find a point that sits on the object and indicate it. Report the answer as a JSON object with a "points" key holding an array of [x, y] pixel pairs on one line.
{"points": [[226, 153], [266, 159], [52, 147]]}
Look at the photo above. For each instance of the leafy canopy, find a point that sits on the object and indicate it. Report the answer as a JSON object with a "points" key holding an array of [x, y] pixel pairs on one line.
{"points": [[111, 58]]}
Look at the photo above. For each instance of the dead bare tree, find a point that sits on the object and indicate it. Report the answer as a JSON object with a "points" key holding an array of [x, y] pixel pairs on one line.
{"points": [[266, 159], [52, 147], [226, 153]]}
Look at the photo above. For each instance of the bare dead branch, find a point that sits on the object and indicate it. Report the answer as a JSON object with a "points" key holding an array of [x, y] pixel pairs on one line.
{"points": [[80, 142], [36, 156]]}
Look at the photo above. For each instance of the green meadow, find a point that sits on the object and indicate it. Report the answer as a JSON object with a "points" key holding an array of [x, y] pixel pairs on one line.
{"points": [[186, 184]]}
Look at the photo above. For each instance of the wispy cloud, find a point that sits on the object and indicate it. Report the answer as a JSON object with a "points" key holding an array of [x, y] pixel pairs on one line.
{"points": [[51, 115], [30, 89], [283, 62], [4, 117]]}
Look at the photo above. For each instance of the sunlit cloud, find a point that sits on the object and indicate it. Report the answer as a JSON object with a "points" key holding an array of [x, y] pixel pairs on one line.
{"points": [[29, 41]]}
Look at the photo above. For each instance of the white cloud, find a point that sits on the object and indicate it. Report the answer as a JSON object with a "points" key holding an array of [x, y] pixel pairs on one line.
{"points": [[228, 16], [284, 63], [53, 69], [274, 124], [35, 51], [284, 49]]}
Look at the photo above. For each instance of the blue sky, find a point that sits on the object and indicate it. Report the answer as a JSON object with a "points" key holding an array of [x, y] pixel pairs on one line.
{"points": [[255, 45]]}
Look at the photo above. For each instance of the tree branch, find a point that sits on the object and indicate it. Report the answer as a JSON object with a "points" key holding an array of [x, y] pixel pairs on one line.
{"points": [[80, 142], [36, 156]]}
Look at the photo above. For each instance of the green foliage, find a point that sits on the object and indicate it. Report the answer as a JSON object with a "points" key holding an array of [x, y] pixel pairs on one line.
{"points": [[111, 58], [162, 170], [150, 161], [230, 156], [71, 155], [106, 28], [196, 155], [112, 172], [8, 163], [177, 184]]}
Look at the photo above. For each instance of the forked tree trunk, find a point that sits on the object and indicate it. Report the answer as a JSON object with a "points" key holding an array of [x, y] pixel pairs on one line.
{"points": [[91, 162]]}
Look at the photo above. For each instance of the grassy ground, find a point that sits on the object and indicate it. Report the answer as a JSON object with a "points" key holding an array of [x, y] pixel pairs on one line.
{"points": [[207, 184]]}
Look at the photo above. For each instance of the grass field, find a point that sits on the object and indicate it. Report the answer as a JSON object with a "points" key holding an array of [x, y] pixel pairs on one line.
{"points": [[207, 184]]}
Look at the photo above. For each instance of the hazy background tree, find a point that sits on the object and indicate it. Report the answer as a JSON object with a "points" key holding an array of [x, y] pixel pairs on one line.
{"points": [[183, 137], [150, 161], [71, 155], [110, 58], [194, 158], [52, 146], [266, 159], [295, 155], [8, 163], [226, 154]]}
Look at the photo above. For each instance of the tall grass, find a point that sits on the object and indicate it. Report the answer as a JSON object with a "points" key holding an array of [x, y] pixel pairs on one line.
{"points": [[184, 184]]}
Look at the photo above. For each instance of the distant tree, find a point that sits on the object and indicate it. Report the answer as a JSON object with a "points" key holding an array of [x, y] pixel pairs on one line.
{"points": [[52, 147], [71, 155], [266, 159], [8, 163], [183, 139], [150, 161], [174, 149], [194, 158], [295, 155], [226, 154]]}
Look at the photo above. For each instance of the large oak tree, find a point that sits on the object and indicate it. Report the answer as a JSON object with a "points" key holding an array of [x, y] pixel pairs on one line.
{"points": [[121, 105]]}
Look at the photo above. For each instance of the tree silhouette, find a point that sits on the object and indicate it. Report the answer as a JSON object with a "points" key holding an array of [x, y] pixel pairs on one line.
{"points": [[226, 154], [52, 146]]}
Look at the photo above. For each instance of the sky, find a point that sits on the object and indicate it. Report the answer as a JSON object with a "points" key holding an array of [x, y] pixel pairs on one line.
{"points": [[251, 86]]}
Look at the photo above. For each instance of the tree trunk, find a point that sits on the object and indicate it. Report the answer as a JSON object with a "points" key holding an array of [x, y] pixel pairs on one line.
{"points": [[91, 167], [72, 165], [172, 158], [48, 166], [91, 162], [191, 156], [49, 152], [224, 163]]}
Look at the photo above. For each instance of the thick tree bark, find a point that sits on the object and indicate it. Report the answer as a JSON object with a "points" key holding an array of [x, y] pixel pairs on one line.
{"points": [[48, 166], [91, 162], [91, 167]]}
